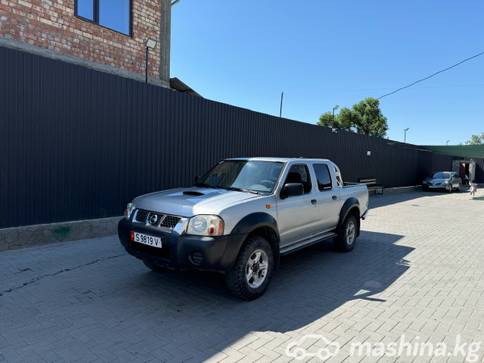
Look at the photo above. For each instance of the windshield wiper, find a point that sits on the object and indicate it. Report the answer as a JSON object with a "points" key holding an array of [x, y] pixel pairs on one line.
{"points": [[202, 185], [243, 190]]}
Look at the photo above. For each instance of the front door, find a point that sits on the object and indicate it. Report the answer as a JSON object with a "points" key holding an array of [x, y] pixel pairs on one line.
{"points": [[298, 215]]}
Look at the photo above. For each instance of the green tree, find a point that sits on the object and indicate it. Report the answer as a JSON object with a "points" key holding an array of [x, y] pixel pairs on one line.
{"points": [[476, 139], [348, 119], [365, 117], [327, 119], [370, 119]]}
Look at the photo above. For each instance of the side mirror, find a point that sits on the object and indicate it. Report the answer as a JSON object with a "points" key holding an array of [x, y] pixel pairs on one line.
{"points": [[291, 190]]}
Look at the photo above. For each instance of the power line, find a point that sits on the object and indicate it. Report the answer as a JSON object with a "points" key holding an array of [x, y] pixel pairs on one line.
{"points": [[432, 75]]}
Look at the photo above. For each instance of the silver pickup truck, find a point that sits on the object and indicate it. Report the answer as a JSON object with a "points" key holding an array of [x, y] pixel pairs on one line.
{"points": [[241, 216]]}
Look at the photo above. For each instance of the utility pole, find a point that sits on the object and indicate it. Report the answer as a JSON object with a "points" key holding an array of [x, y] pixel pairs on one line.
{"points": [[280, 107], [405, 134]]}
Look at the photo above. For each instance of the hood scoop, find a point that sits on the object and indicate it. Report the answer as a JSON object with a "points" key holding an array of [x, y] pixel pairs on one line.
{"points": [[193, 192]]}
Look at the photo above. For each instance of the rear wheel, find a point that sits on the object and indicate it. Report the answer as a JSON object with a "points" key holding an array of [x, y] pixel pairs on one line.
{"points": [[154, 266], [347, 233], [249, 277]]}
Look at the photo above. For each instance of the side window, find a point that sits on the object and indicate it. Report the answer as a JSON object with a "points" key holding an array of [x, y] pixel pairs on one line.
{"points": [[299, 174], [340, 182], [323, 176], [338, 177]]}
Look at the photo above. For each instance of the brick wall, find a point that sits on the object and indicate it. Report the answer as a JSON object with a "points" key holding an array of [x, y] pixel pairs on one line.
{"points": [[51, 24]]}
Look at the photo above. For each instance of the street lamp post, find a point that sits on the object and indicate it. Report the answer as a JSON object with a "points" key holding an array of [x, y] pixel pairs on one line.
{"points": [[150, 44], [405, 134], [334, 109]]}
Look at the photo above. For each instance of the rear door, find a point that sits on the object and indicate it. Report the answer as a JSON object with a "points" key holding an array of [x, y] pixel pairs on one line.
{"points": [[298, 216], [327, 196]]}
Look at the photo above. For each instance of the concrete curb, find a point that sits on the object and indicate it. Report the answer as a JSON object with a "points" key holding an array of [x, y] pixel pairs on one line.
{"points": [[396, 190], [41, 234]]}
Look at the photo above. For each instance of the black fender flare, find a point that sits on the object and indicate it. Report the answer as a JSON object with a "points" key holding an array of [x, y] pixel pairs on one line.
{"points": [[253, 222], [350, 205]]}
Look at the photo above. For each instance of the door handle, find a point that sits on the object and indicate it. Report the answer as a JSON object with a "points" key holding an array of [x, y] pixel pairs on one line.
{"points": [[314, 201], [334, 197]]}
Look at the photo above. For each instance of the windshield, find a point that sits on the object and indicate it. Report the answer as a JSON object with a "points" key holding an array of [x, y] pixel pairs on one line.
{"points": [[243, 175], [442, 175]]}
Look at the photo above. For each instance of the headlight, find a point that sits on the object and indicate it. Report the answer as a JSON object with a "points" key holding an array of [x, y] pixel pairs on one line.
{"points": [[446, 182], [205, 225], [129, 209]]}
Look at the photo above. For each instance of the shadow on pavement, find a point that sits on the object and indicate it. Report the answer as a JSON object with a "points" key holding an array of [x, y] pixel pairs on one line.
{"points": [[194, 314], [377, 201]]}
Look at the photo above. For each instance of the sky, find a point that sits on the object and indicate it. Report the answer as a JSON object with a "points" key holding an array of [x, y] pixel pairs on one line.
{"points": [[326, 53]]}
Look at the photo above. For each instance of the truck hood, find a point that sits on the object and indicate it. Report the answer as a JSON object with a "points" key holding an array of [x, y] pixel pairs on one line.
{"points": [[187, 202]]}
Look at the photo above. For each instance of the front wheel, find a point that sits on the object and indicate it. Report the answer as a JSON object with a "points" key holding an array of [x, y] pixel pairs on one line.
{"points": [[347, 233], [249, 277]]}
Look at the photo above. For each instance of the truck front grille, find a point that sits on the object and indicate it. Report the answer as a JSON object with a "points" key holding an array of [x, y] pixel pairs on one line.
{"points": [[141, 215], [170, 221], [155, 219]]}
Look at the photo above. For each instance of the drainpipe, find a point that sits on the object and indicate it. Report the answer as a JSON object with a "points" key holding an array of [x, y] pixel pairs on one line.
{"points": [[165, 44]]}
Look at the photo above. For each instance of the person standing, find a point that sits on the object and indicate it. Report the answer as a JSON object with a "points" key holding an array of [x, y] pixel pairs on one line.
{"points": [[473, 189]]}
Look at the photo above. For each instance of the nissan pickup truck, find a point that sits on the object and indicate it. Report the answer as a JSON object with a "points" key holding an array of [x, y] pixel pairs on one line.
{"points": [[241, 216]]}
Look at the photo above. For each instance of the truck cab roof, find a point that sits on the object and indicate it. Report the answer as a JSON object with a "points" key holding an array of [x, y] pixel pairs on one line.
{"points": [[280, 159]]}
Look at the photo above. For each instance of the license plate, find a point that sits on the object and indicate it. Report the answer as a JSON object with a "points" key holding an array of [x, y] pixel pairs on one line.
{"points": [[146, 239]]}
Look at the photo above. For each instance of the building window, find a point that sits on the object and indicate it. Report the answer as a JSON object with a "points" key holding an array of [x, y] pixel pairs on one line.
{"points": [[112, 14], [85, 9]]}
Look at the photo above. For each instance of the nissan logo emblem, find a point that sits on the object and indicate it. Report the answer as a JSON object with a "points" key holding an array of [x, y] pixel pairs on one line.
{"points": [[153, 219]]}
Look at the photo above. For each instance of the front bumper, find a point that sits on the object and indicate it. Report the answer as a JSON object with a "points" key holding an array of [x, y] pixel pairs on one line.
{"points": [[441, 186], [182, 252]]}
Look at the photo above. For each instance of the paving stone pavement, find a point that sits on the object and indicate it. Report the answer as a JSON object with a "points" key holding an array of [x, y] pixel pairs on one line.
{"points": [[417, 271]]}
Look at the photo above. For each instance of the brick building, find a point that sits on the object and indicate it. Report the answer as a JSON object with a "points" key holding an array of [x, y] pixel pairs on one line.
{"points": [[108, 35]]}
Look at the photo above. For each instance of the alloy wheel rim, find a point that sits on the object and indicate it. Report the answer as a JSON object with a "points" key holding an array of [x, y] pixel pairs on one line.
{"points": [[350, 232], [256, 268]]}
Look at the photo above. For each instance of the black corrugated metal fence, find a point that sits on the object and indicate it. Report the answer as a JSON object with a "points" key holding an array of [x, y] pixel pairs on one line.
{"points": [[78, 144]]}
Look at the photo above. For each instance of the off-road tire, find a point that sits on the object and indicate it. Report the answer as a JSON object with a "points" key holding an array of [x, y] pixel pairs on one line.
{"points": [[235, 277], [341, 242]]}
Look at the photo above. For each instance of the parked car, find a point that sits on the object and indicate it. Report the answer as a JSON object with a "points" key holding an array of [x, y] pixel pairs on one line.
{"points": [[241, 216], [446, 180]]}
